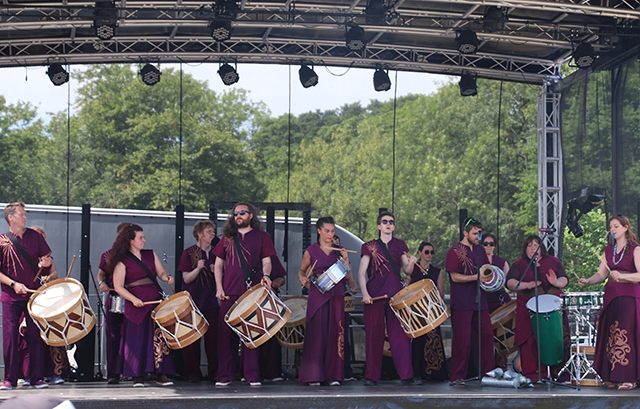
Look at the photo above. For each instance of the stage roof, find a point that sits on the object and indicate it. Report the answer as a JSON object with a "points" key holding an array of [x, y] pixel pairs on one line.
{"points": [[526, 44]]}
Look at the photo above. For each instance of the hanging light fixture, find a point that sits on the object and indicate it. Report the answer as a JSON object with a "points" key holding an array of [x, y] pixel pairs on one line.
{"points": [[308, 77], [467, 85], [467, 42], [220, 29], [494, 19], [584, 55], [355, 38], [150, 75], [375, 11], [381, 81], [57, 74], [105, 17], [228, 74]]}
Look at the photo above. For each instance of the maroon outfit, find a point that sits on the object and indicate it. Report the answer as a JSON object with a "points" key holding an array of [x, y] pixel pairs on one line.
{"points": [[256, 245], [429, 361], [113, 324], [497, 299], [525, 338], [323, 351], [203, 292], [466, 260], [382, 280], [142, 348], [14, 306], [617, 357]]}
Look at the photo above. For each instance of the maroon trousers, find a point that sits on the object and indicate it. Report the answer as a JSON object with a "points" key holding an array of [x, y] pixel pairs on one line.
{"points": [[191, 354], [113, 334], [228, 350], [375, 316], [464, 325]]}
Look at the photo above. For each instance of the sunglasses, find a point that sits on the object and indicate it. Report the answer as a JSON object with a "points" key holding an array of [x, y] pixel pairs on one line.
{"points": [[385, 221], [489, 243], [240, 212], [471, 220], [429, 252]]}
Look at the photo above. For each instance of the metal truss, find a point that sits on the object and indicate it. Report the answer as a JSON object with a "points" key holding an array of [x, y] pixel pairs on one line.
{"points": [[550, 170]]}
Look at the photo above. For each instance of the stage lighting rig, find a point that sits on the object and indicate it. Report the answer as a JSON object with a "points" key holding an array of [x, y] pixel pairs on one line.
{"points": [[228, 74], [467, 42], [308, 77], [582, 202], [220, 29], [584, 55], [57, 74], [381, 81], [494, 19], [468, 87], [355, 38], [105, 17], [150, 75]]}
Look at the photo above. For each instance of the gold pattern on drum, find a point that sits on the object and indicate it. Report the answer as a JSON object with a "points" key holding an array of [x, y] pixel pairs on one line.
{"points": [[377, 260], [433, 352], [160, 347], [618, 346]]}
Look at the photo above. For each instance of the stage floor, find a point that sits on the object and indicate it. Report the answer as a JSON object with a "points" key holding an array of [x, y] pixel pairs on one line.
{"points": [[290, 394]]}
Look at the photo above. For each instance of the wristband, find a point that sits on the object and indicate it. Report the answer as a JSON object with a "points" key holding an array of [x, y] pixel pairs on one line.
{"points": [[12, 284], [100, 283]]}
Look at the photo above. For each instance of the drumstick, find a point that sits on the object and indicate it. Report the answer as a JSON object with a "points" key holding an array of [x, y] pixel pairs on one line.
{"points": [[338, 249], [37, 275], [310, 271], [34, 291], [381, 297], [152, 302], [71, 266]]}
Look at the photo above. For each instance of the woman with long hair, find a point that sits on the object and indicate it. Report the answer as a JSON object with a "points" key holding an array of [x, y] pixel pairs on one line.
{"points": [[142, 347], [617, 358]]}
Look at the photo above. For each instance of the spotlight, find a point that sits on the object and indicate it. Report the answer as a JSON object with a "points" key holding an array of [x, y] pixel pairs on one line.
{"points": [[308, 77], [228, 74], [381, 81], [57, 74], [467, 42], [468, 86], [355, 38], [494, 19], [105, 17], [220, 29], [572, 220], [150, 75], [226, 9], [375, 11], [584, 55], [581, 202]]}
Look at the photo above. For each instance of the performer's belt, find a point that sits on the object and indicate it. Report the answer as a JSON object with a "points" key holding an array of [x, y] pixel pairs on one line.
{"points": [[142, 281]]}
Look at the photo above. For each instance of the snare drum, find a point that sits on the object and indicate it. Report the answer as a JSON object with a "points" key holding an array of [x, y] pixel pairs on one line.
{"points": [[291, 336], [334, 274], [586, 300], [503, 321], [116, 304], [550, 318], [62, 312], [257, 316], [180, 320], [419, 308]]}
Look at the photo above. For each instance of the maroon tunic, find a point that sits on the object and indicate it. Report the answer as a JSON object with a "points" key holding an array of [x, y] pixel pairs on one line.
{"points": [[16, 267], [499, 298], [617, 354], [323, 352]]}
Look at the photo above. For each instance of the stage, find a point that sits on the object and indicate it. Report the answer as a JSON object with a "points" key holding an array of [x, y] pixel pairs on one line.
{"points": [[290, 394]]}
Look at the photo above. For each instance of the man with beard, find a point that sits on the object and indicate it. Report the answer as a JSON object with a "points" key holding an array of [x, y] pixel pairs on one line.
{"points": [[462, 263], [242, 230]]}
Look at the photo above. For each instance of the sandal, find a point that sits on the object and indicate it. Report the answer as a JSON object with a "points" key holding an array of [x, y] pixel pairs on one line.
{"points": [[627, 385]]}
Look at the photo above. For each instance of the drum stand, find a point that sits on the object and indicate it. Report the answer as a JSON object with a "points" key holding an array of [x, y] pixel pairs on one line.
{"points": [[578, 366]]}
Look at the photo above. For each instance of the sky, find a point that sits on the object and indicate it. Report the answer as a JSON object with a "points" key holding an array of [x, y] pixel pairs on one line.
{"points": [[266, 83]]}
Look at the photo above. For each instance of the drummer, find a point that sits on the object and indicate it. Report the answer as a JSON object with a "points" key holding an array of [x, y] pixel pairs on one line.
{"points": [[617, 357], [348, 371], [323, 351], [143, 348], [23, 253], [113, 320], [521, 279], [429, 361], [196, 267], [242, 230], [379, 276]]}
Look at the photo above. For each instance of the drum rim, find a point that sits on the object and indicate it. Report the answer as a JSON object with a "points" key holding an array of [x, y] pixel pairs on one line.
{"points": [[302, 319], [230, 317], [83, 295], [511, 304], [394, 302], [544, 296], [166, 301]]}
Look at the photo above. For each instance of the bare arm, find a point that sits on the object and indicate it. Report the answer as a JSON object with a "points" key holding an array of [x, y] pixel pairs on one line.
{"points": [[266, 271], [162, 273], [304, 266], [218, 273], [440, 285], [119, 275], [190, 276], [362, 279]]}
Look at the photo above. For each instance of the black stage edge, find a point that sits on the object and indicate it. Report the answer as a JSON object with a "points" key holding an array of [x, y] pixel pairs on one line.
{"points": [[291, 395]]}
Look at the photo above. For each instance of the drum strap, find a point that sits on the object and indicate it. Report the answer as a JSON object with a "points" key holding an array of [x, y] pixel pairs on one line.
{"points": [[148, 271], [394, 266], [243, 262], [22, 251]]}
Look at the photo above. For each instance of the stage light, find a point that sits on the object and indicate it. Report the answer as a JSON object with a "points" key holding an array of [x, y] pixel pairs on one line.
{"points": [[220, 29], [572, 220], [57, 74], [467, 42], [228, 74], [375, 12], [381, 81], [150, 75], [105, 17], [226, 9], [308, 77], [494, 19], [581, 202], [467, 85], [355, 38], [584, 55]]}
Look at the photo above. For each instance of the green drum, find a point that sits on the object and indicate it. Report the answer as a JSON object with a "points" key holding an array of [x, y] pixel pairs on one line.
{"points": [[550, 317]]}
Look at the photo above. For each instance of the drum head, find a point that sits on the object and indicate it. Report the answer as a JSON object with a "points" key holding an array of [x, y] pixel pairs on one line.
{"points": [[504, 311], [177, 302], [412, 292], [247, 301], [298, 307], [546, 303], [56, 299]]}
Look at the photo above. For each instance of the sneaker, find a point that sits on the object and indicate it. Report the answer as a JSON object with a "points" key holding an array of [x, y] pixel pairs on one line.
{"points": [[113, 381], [334, 383], [369, 382], [278, 379], [257, 383], [162, 380], [41, 384], [411, 381], [26, 382], [57, 380], [138, 382], [457, 382], [7, 386], [223, 383], [314, 383]]}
